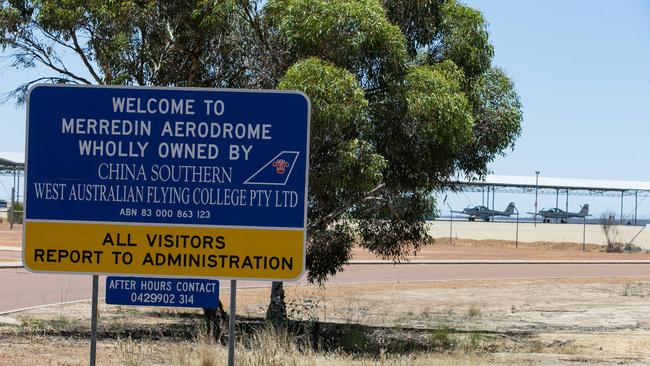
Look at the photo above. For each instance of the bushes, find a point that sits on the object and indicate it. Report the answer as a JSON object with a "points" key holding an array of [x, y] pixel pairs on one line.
{"points": [[611, 233]]}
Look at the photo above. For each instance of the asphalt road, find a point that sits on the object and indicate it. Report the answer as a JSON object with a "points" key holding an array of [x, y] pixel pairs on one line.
{"points": [[22, 289]]}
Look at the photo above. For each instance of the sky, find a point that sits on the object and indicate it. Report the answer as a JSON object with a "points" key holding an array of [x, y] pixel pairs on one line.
{"points": [[582, 71], [581, 68]]}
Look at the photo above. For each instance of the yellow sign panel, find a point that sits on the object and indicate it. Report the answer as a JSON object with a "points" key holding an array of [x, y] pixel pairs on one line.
{"points": [[164, 250]]}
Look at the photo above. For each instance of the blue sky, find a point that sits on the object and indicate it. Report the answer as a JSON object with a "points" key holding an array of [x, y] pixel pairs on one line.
{"points": [[582, 69]]}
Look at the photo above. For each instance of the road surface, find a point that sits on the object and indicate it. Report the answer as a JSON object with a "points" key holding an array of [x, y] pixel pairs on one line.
{"points": [[22, 289]]}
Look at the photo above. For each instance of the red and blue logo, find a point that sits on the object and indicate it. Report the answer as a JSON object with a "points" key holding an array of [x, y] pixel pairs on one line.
{"points": [[277, 171]]}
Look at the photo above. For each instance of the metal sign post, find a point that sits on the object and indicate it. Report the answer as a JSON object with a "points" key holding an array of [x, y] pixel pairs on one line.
{"points": [[93, 322], [451, 220], [11, 208], [517, 231], [231, 323], [451, 223], [584, 232]]}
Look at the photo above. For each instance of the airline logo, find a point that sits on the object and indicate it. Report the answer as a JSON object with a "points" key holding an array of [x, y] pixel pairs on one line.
{"points": [[277, 171], [280, 165]]}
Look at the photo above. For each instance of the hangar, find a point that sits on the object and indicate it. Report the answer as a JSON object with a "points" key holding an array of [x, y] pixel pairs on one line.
{"points": [[560, 187]]}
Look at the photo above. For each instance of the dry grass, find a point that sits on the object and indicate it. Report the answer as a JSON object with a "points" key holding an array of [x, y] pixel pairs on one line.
{"points": [[505, 322], [271, 346]]}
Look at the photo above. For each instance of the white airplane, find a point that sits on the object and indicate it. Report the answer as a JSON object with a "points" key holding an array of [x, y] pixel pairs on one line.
{"points": [[485, 213], [561, 215]]}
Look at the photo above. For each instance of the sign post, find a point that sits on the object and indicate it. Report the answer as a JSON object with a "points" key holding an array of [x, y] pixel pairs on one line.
{"points": [[93, 321], [166, 182], [231, 323], [12, 208]]}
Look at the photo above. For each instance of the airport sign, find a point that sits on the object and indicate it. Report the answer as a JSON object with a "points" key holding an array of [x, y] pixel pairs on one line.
{"points": [[158, 291], [166, 181]]}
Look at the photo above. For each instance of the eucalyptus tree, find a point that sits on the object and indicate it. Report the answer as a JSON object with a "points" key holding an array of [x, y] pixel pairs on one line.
{"points": [[404, 94]]}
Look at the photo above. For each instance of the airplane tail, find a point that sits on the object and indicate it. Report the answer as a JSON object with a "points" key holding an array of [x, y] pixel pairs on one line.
{"points": [[510, 209], [584, 211]]}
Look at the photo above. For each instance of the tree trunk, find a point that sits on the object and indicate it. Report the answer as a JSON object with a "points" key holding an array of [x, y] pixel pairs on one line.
{"points": [[216, 321], [277, 311]]}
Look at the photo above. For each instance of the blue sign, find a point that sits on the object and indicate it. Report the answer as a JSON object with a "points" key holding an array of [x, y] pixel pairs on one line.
{"points": [[148, 291], [163, 155], [182, 182]]}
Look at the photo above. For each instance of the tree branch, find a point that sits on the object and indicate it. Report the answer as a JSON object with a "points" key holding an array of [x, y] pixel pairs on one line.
{"points": [[20, 92], [261, 35], [49, 35], [339, 211], [83, 57], [36, 51]]}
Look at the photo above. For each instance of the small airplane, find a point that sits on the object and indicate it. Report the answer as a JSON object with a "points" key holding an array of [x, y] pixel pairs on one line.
{"points": [[561, 215], [485, 213]]}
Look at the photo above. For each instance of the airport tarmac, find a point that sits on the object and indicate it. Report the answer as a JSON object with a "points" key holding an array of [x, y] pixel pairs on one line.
{"points": [[529, 232]]}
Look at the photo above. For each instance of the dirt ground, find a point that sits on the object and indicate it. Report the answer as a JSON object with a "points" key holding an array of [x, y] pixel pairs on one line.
{"points": [[516, 322], [11, 238], [507, 250]]}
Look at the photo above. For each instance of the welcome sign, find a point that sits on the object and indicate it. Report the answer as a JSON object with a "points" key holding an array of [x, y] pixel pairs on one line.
{"points": [[166, 181]]}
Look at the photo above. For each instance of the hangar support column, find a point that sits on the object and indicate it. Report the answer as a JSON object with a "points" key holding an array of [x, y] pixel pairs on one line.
{"points": [[493, 193], [622, 193], [567, 200], [636, 204]]}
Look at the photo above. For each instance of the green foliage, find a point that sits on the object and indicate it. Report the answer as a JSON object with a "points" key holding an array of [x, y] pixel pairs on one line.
{"points": [[340, 110], [343, 165], [355, 339], [420, 21], [474, 341], [438, 121], [393, 224], [441, 338], [497, 115], [465, 39], [127, 42], [352, 34], [403, 93], [444, 30]]}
